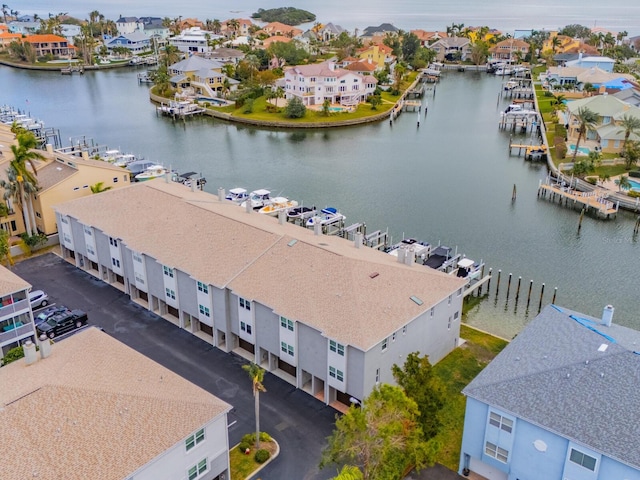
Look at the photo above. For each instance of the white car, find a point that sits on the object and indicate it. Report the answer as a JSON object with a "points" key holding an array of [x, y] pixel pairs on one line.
{"points": [[38, 299]]}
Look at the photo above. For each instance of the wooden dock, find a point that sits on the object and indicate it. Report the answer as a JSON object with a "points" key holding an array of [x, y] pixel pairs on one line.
{"points": [[595, 201]]}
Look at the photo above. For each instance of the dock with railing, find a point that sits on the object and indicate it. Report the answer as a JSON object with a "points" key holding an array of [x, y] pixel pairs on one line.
{"points": [[563, 192]]}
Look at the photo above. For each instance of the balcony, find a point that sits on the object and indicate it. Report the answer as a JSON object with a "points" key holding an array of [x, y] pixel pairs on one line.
{"points": [[11, 309], [16, 334]]}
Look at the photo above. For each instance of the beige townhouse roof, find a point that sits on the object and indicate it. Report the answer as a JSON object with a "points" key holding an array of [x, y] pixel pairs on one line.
{"points": [[95, 409], [324, 281], [10, 282]]}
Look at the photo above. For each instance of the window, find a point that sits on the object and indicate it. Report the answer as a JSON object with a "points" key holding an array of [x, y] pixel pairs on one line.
{"points": [[337, 374], [87, 231], [456, 315], [501, 422], [286, 323], [115, 179], [194, 439], [449, 300], [286, 348], [243, 326], [137, 257], [197, 470], [203, 288], [377, 375], [115, 262], [583, 459], [246, 304], [433, 310], [336, 347], [393, 337], [113, 241], [404, 330], [168, 271], [459, 292], [139, 278], [204, 311], [385, 343], [170, 293], [496, 452], [449, 323]]}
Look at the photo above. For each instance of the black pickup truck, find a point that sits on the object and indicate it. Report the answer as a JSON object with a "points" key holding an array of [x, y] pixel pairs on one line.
{"points": [[62, 323]]}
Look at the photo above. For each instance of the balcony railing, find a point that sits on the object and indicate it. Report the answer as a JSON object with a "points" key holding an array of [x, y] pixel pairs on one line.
{"points": [[16, 333]]}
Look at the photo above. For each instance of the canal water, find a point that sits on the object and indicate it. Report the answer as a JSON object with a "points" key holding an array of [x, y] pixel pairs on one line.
{"points": [[450, 180]]}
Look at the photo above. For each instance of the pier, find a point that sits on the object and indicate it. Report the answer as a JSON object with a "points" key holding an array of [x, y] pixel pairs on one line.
{"points": [[564, 193], [178, 110]]}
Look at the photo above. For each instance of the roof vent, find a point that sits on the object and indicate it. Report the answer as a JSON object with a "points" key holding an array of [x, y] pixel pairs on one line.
{"points": [[374, 275], [607, 315], [416, 300], [292, 242], [603, 347]]}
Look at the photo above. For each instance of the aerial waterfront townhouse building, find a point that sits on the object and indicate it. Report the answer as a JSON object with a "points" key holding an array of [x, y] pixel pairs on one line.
{"points": [[559, 402], [313, 84], [194, 40], [47, 44], [91, 407], [328, 315], [16, 321]]}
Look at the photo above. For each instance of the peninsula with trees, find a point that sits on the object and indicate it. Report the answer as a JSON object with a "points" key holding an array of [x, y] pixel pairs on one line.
{"points": [[287, 15]]}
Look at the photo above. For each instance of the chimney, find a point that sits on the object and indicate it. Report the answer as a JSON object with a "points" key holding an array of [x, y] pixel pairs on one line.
{"points": [[317, 227], [607, 315], [410, 257], [30, 355]]}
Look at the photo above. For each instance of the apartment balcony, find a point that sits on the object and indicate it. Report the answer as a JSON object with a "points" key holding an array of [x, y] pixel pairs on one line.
{"points": [[16, 334]]}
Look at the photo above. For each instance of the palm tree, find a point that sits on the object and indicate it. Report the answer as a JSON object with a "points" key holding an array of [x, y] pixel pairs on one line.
{"points": [[623, 183], [629, 125], [99, 188], [257, 377], [279, 93], [233, 25], [216, 26], [555, 43], [587, 120]]}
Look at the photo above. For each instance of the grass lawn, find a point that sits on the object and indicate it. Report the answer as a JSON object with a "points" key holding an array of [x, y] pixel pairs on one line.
{"points": [[456, 370], [243, 465]]}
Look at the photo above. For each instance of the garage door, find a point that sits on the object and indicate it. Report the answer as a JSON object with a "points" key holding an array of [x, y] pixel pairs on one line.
{"points": [[487, 471]]}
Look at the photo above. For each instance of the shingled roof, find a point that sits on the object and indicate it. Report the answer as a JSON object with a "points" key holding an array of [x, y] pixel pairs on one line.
{"points": [[571, 375]]}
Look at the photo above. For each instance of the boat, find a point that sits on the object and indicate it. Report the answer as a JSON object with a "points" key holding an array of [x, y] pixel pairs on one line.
{"points": [[441, 258], [124, 159], [190, 179], [258, 199], [154, 171], [420, 249], [518, 108], [504, 71], [237, 195], [328, 216], [511, 84], [139, 166], [110, 155], [468, 269], [278, 204], [301, 213]]}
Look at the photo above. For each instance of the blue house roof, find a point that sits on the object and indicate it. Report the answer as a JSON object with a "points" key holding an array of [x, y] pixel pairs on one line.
{"points": [[570, 375]]}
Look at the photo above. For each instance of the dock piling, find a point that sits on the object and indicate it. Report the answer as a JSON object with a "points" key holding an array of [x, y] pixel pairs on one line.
{"points": [[555, 292], [498, 282], [541, 295], [580, 221], [518, 288], [529, 294], [508, 286], [514, 193], [636, 229]]}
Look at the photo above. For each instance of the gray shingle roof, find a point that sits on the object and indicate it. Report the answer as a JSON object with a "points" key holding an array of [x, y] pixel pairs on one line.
{"points": [[554, 374]]}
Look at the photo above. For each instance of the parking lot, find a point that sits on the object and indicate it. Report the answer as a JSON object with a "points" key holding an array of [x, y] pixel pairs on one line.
{"points": [[296, 420]]}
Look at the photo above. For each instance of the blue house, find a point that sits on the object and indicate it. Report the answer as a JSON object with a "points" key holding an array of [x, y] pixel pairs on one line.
{"points": [[604, 63], [137, 42], [560, 402]]}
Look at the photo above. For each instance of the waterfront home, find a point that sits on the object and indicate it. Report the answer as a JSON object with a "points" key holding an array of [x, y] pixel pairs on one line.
{"points": [[452, 48], [330, 31], [608, 132], [378, 54], [91, 407], [70, 32], [427, 38], [226, 55], [237, 27], [560, 401], [28, 27], [563, 43], [279, 29], [361, 67], [47, 44], [187, 23], [153, 27], [126, 25], [629, 95], [510, 50], [16, 318], [267, 42], [315, 83], [200, 76], [327, 315], [604, 63], [580, 76], [194, 40], [378, 31], [136, 42], [6, 38]]}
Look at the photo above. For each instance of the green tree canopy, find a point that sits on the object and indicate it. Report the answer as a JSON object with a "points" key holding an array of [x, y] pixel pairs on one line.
{"points": [[587, 120], [295, 108], [576, 31], [382, 437], [257, 377], [286, 15], [410, 46]]}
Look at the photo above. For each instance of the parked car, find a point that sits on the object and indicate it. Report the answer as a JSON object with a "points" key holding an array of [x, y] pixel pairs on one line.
{"points": [[38, 299], [62, 323], [49, 312]]}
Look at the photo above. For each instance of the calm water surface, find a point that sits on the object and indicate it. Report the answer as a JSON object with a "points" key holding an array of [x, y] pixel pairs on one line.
{"points": [[449, 180]]}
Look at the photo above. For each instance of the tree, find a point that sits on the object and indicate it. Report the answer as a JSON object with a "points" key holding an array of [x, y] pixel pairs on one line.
{"points": [[349, 472], [630, 125], [99, 188], [257, 377], [423, 387], [555, 43], [375, 100], [631, 154], [587, 119], [5, 248], [382, 437], [295, 108], [278, 93], [326, 107], [410, 45], [623, 183], [398, 72], [233, 25], [170, 55], [479, 52], [576, 31]]}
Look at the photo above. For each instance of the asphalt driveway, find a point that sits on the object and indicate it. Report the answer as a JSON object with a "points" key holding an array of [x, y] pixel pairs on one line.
{"points": [[299, 422]]}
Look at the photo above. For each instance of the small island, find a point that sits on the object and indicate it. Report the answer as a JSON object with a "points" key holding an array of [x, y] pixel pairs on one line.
{"points": [[287, 15]]}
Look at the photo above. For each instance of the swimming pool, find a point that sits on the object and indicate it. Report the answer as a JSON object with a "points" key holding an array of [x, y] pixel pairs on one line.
{"points": [[581, 150], [635, 185], [211, 100]]}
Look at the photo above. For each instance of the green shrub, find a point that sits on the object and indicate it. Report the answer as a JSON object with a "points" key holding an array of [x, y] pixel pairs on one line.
{"points": [[250, 438], [633, 193], [261, 456], [248, 106], [634, 174], [242, 446], [547, 93], [12, 355], [592, 180], [295, 108], [561, 147]]}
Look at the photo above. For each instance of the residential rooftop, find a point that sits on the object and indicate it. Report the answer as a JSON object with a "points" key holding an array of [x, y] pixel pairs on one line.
{"points": [[355, 295], [94, 409], [10, 282]]}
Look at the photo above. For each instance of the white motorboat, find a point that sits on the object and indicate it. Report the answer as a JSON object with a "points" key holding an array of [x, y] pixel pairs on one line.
{"points": [[237, 195], [328, 216], [420, 249], [151, 172], [124, 159], [277, 205], [504, 71], [468, 269], [258, 199], [301, 212]]}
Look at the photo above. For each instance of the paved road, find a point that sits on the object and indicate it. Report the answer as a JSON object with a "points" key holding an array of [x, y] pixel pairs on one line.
{"points": [[296, 420]]}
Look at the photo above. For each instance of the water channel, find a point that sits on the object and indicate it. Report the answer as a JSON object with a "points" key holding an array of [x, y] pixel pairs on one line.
{"points": [[448, 180]]}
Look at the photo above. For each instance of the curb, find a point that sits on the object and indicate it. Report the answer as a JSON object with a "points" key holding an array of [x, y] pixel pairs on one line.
{"points": [[271, 458]]}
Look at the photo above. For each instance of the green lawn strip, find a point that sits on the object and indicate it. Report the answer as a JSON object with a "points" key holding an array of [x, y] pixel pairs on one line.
{"points": [[455, 371], [241, 465]]}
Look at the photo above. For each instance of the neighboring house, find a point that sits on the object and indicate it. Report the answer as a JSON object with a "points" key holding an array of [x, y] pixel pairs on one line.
{"points": [[153, 27], [508, 50], [326, 315], [6, 38], [48, 44], [604, 63], [630, 96], [267, 42], [330, 31], [361, 67], [559, 402], [522, 33], [280, 29], [194, 40], [126, 25], [24, 28], [562, 44], [93, 407], [452, 48], [381, 30], [427, 38], [200, 76], [188, 23], [243, 29], [380, 55], [610, 111], [136, 42], [226, 55], [580, 76], [16, 318], [70, 32], [313, 84]]}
